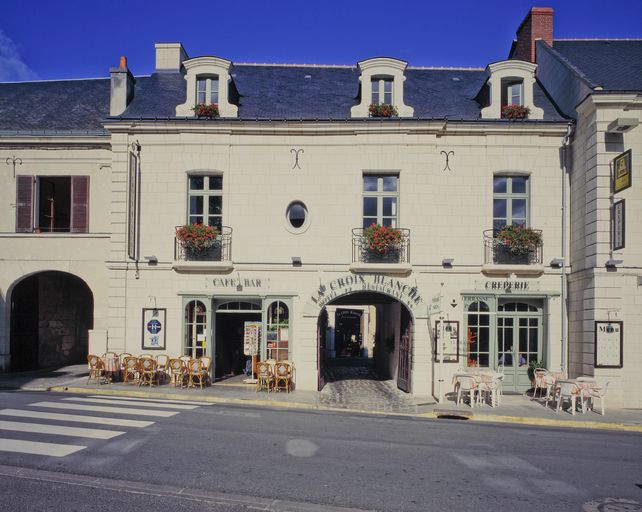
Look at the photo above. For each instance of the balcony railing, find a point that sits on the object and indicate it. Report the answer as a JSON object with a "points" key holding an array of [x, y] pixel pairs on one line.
{"points": [[498, 253], [363, 254], [220, 251]]}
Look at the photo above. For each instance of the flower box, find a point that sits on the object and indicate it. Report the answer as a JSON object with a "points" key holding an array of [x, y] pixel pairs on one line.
{"points": [[382, 110], [382, 242], [517, 241], [197, 240], [515, 112], [207, 111]]}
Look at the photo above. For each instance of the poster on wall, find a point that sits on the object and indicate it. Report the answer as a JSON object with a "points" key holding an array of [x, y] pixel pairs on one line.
{"points": [[450, 342], [251, 337], [154, 329], [622, 172], [608, 344], [618, 225]]}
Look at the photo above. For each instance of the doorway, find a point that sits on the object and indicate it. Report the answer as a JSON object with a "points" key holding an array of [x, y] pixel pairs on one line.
{"points": [[230, 324]]}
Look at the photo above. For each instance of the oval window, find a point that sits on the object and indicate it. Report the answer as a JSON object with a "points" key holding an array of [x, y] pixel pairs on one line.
{"points": [[297, 214]]}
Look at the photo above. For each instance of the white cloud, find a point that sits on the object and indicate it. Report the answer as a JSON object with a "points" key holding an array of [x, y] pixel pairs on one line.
{"points": [[12, 68]]}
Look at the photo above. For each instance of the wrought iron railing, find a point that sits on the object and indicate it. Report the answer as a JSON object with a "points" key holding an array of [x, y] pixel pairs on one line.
{"points": [[361, 252], [221, 250], [498, 253]]}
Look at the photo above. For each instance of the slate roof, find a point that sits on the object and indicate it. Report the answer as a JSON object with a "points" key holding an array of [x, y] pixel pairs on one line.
{"points": [[615, 65], [265, 92], [54, 106]]}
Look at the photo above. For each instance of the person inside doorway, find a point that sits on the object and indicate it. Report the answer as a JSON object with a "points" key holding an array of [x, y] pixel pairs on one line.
{"points": [[506, 359], [522, 360]]}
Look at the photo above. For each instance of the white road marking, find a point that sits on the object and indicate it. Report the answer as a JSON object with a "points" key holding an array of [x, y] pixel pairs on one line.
{"points": [[42, 415], [159, 400], [112, 410], [109, 401], [39, 428], [51, 449]]}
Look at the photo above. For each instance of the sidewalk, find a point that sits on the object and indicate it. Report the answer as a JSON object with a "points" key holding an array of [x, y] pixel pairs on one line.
{"points": [[518, 409]]}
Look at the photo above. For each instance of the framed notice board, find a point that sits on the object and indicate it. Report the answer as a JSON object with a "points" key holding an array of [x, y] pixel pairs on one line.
{"points": [[622, 175], [450, 342], [609, 343]]}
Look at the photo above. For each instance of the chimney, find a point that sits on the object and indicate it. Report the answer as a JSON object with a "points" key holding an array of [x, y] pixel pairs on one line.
{"points": [[122, 88], [538, 24], [169, 57]]}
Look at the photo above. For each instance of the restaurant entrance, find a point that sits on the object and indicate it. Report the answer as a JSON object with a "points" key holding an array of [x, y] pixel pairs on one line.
{"points": [[229, 329]]}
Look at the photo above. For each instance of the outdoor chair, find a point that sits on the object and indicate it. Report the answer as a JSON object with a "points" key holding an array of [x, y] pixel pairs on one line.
{"points": [[195, 373], [178, 371], [122, 357], [148, 371], [96, 369], [282, 376], [594, 393], [264, 376], [131, 371], [467, 384], [567, 390], [162, 365], [207, 366], [538, 377], [490, 389]]}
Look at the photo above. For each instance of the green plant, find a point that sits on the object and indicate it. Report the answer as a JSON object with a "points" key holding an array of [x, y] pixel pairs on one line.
{"points": [[515, 112], [382, 239], [196, 237], [382, 110], [203, 110], [518, 239], [535, 364]]}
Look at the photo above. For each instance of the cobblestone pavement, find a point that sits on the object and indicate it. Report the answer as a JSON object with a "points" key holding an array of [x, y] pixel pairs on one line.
{"points": [[359, 387]]}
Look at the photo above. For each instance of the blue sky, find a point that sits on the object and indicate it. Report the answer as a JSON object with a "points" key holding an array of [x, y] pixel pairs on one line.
{"points": [[52, 39]]}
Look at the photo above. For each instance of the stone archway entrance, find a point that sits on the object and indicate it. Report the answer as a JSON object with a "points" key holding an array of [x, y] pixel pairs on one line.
{"points": [[365, 336], [51, 314]]}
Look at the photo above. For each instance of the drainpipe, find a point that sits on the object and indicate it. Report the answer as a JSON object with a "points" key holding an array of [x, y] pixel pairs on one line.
{"points": [[565, 147]]}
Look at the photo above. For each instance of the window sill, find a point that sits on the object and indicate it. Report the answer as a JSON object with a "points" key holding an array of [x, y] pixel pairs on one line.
{"points": [[507, 270], [203, 267], [382, 268], [65, 234]]}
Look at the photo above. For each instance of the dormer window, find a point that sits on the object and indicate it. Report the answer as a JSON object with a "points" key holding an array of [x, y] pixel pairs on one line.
{"points": [[209, 82], [207, 90], [512, 92], [381, 83], [382, 90], [510, 84]]}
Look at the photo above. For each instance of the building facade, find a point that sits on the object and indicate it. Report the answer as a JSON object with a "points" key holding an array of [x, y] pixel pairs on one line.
{"points": [[292, 173]]}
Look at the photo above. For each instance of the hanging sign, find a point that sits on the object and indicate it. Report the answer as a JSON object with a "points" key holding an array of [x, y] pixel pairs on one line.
{"points": [[622, 172], [617, 218], [154, 329], [450, 342]]}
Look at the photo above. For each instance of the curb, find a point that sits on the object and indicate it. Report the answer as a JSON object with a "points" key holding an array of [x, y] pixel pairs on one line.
{"points": [[517, 420]]}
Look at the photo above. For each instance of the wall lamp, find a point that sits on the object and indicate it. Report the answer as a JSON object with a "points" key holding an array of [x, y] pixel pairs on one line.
{"points": [[611, 263], [622, 125], [296, 261], [151, 260], [447, 262], [557, 263]]}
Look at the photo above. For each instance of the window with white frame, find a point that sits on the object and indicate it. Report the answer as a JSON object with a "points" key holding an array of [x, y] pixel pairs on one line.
{"points": [[511, 201], [382, 90], [380, 200], [207, 90], [195, 326], [512, 92], [205, 200]]}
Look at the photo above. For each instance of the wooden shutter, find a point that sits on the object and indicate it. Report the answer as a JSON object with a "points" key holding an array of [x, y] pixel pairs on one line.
{"points": [[79, 204], [24, 204]]}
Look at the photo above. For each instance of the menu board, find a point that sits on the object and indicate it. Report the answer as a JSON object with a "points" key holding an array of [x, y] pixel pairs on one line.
{"points": [[608, 344], [450, 341], [251, 337]]}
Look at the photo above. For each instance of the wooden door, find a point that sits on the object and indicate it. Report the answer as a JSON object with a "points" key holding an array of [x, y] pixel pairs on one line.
{"points": [[404, 373], [322, 325]]}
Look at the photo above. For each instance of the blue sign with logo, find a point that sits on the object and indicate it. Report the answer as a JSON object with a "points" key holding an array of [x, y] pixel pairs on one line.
{"points": [[154, 326]]}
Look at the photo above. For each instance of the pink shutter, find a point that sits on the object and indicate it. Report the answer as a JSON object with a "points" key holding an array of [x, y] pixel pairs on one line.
{"points": [[79, 204], [24, 204]]}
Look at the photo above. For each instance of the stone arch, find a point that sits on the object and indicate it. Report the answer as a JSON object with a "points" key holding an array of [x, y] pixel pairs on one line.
{"points": [[51, 313]]}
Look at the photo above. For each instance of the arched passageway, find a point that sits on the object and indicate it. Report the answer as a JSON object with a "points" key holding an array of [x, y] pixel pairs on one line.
{"points": [[51, 314], [365, 336]]}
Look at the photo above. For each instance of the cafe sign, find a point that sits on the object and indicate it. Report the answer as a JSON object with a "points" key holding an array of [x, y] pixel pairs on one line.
{"points": [[609, 341], [622, 172]]}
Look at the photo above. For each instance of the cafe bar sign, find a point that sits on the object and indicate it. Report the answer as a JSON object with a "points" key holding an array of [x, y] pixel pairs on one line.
{"points": [[622, 172]]}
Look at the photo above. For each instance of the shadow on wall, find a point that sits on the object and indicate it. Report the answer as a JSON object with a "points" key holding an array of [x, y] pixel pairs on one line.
{"points": [[51, 314]]}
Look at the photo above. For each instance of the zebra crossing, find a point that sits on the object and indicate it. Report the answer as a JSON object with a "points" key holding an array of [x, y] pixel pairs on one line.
{"points": [[81, 418]]}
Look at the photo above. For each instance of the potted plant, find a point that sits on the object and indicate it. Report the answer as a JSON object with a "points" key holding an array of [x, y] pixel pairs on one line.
{"points": [[197, 239], [517, 241], [382, 110], [515, 112], [208, 111], [381, 240]]}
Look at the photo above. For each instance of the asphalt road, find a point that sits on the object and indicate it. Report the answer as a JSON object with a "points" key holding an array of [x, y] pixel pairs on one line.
{"points": [[219, 458]]}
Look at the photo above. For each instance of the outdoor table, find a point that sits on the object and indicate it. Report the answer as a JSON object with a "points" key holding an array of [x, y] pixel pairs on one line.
{"points": [[112, 366]]}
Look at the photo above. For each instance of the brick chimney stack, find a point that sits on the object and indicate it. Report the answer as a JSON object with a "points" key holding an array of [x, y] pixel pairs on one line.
{"points": [[538, 24]]}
